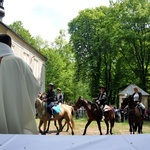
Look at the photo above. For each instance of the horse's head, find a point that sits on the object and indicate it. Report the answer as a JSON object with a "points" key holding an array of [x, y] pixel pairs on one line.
{"points": [[127, 101], [40, 106], [41, 95], [79, 103]]}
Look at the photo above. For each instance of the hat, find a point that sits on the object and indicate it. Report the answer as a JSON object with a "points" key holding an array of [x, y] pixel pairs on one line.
{"points": [[102, 87], [59, 89], [51, 84]]}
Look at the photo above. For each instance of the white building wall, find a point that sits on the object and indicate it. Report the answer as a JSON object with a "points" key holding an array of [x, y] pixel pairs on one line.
{"points": [[33, 61], [32, 57]]}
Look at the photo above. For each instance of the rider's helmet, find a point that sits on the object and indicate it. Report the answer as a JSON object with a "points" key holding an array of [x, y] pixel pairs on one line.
{"points": [[102, 87], [51, 84]]}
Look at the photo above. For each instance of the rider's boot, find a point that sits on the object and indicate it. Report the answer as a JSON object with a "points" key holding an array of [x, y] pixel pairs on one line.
{"points": [[52, 114], [103, 117]]}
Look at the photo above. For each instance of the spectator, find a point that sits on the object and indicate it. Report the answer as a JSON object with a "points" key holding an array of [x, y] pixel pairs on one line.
{"points": [[18, 92]]}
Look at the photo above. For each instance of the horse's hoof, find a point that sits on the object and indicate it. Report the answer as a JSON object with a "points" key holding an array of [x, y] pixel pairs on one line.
{"points": [[57, 133], [43, 133], [72, 133]]}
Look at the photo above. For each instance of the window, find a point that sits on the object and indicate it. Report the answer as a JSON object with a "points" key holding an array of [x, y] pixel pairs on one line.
{"points": [[36, 68], [26, 58]]}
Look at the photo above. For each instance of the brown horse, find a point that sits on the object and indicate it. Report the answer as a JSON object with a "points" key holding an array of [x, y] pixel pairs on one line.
{"points": [[135, 118], [62, 126], [42, 96], [66, 113], [94, 113]]}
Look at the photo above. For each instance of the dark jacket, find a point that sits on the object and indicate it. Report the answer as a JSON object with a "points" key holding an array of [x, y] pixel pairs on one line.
{"points": [[60, 98], [102, 98], [51, 96]]}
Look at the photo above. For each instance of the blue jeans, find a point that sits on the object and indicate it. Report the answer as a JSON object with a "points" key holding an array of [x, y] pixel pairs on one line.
{"points": [[49, 108]]}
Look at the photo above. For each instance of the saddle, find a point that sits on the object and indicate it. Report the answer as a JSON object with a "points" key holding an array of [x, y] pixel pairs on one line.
{"points": [[138, 111], [56, 109], [107, 108]]}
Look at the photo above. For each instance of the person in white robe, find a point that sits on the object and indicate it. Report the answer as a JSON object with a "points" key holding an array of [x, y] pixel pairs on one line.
{"points": [[18, 92]]}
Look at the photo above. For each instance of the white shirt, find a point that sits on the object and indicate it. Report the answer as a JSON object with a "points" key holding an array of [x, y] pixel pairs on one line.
{"points": [[136, 97]]}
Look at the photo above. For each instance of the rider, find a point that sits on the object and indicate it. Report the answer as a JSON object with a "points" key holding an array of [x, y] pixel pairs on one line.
{"points": [[137, 97], [50, 99], [60, 97], [101, 99]]}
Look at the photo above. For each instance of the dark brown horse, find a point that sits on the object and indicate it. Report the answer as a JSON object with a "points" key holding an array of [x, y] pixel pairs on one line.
{"points": [[135, 118], [94, 113]]}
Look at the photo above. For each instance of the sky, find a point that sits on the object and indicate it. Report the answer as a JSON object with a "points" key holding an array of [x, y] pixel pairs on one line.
{"points": [[46, 17]]}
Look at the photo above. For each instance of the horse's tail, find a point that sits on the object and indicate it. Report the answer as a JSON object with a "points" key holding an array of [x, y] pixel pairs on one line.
{"points": [[112, 118], [72, 111]]}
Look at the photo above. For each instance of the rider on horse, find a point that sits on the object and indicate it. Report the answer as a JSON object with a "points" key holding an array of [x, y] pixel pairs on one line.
{"points": [[137, 97], [60, 97], [101, 99], [50, 99]]}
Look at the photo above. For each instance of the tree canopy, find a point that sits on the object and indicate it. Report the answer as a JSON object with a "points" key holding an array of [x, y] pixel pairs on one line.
{"points": [[108, 46]]}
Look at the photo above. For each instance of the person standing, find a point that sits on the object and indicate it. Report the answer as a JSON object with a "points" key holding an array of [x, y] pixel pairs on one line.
{"points": [[50, 99], [18, 92], [60, 97]]}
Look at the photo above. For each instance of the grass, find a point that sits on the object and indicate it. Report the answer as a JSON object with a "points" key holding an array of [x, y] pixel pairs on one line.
{"points": [[118, 129]]}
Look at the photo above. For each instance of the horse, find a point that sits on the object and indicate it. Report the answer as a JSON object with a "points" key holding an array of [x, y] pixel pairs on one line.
{"points": [[62, 126], [94, 113], [42, 96], [135, 118], [65, 113]]}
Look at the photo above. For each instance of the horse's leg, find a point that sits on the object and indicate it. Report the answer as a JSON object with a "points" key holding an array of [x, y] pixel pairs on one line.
{"points": [[67, 126], [132, 128], [99, 126], [40, 124], [107, 126], [112, 121], [45, 123], [56, 125], [71, 125], [60, 126], [88, 123], [141, 127], [48, 126]]}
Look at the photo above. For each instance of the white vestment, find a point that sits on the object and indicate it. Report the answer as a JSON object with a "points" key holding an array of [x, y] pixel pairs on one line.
{"points": [[18, 92]]}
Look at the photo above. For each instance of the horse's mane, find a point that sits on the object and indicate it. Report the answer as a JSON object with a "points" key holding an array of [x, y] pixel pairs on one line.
{"points": [[89, 102]]}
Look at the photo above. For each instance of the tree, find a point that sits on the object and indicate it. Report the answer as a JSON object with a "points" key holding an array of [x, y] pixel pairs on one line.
{"points": [[133, 37], [111, 46]]}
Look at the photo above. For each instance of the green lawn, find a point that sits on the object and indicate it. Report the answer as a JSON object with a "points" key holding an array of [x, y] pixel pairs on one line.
{"points": [[119, 128]]}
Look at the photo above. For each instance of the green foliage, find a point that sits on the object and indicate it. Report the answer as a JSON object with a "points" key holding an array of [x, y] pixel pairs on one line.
{"points": [[111, 46], [108, 46]]}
